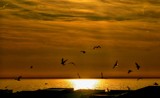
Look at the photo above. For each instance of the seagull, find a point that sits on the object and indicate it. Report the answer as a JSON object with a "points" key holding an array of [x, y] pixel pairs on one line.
{"points": [[139, 78], [6, 87], [19, 78], [116, 64], [137, 65], [31, 67], [83, 52], [63, 61], [129, 71], [101, 75], [96, 47], [78, 75]]}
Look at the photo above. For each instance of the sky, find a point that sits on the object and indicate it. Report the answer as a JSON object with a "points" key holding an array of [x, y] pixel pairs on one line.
{"points": [[40, 33]]}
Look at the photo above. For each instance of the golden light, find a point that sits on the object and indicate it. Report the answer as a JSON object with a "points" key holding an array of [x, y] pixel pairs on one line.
{"points": [[84, 83]]}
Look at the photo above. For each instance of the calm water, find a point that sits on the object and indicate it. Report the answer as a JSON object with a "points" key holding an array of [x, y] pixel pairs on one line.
{"points": [[34, 84]]}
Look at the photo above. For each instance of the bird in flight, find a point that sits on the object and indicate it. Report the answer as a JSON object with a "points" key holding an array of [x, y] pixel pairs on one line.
{"points": [[6, 87], [101, 75], [63, 61], [83, 51], [116, 64], [129, 71], [31, 67], [19, 78], [78, 75], [139, 78], [96, 47], [137, 66]]}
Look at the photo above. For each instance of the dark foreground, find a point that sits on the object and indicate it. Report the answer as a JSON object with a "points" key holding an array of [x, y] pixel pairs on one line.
{"points": [[146, 92]]}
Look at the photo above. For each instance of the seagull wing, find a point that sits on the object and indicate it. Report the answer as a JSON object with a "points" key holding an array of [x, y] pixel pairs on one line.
{"points": [[137, 66], [116, 64]]}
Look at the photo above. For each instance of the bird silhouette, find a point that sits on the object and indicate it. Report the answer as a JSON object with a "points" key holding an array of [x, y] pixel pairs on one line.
{"points": [[83, 51], [116, 64], [6, 87], [96, 47], [139, 78], [63, 61], [31, 67], [19, 78], [129, 71], [78, 75], [101, 75], [137, 66]]}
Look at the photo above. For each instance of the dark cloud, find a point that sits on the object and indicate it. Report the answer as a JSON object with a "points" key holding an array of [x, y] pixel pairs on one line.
{"points": [[26, 2], [122, 11]]}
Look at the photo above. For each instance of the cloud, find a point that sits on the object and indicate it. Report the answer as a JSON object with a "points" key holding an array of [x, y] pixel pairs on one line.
{"points": [[89, 10], [42, 32]]}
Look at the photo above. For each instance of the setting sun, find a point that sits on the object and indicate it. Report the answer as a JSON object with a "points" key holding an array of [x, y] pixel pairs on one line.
{"points": [[84, 83]]}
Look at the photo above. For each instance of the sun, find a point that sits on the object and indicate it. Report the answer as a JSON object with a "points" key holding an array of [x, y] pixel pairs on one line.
{"points": [[84, 83]]}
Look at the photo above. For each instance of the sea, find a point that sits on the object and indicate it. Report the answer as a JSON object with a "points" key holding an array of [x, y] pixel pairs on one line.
{"points": [[76, 84]]}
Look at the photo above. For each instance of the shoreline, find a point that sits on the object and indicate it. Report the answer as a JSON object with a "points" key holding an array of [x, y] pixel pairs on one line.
{"points": [[145, 92], [81, 78]]}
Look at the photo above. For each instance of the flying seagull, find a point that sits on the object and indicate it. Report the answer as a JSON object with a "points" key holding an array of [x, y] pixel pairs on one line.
{"points": [[83, 51], [101, 75], [6, 87], [129, 71], [31, 67], [96, 47], [137, 65], [78, 75], [63, 61], [19, 78], [116, 64], [139, 78]]}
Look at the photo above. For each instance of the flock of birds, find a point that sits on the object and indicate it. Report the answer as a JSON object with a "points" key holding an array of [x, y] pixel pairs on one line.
{"points": [[65, 62], [129, 71]]}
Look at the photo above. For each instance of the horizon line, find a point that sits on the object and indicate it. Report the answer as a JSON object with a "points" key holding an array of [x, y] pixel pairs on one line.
{"points": [[81, 78]]}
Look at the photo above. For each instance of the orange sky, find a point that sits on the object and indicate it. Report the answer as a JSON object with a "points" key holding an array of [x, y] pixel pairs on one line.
{"points": [[40, 33]]}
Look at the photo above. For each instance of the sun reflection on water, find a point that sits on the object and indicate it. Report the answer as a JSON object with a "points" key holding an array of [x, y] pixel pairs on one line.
{"points": [[84, 83]]}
